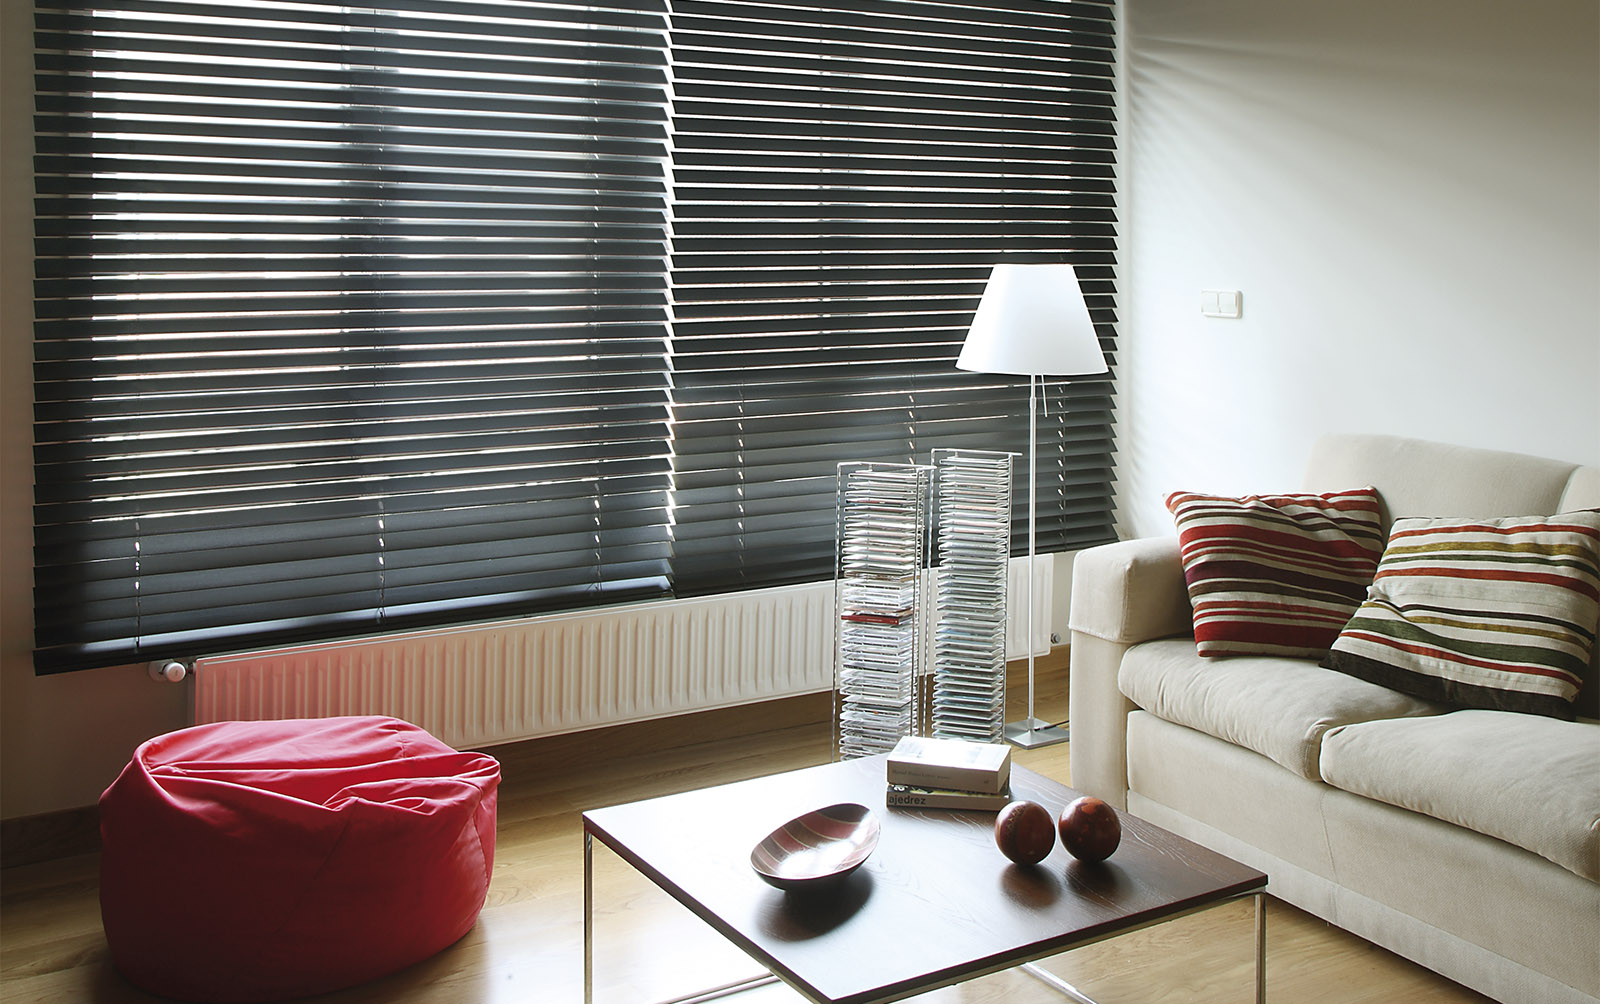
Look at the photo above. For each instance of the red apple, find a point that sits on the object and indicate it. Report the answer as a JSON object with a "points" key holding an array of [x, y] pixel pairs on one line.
{"points": [[1024, 832], [1090, 829]]}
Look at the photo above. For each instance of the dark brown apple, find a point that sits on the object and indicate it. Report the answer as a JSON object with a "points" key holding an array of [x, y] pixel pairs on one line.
{"points": [[1024, 832], [1090, 829]]}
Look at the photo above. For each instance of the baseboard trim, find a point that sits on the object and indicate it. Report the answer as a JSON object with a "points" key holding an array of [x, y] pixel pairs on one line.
{"points": [[27, 840]]}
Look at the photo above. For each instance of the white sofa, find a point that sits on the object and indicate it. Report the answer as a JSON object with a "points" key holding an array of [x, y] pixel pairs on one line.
{"points": [[1490, 877]]}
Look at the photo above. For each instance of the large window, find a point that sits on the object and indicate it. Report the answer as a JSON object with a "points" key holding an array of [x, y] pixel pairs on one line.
{"points": [[355, 316], [846, 174]]}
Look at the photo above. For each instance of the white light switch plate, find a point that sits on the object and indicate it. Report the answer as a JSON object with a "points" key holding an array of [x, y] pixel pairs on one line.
{"points": [[1221, 302]]}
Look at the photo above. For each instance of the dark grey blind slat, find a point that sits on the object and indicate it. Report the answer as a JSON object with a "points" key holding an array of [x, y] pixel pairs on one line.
{"points": [[350, 316], [845, 174]]}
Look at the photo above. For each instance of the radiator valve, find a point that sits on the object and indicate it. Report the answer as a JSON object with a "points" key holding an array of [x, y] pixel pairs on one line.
{"points": [[170, 670]]}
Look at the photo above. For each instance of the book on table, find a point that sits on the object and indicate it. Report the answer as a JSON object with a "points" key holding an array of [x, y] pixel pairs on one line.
{"points": [[904, 796], [950, 764]]}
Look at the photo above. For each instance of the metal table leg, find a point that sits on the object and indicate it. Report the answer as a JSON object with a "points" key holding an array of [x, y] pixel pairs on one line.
{"points": [[1261, 948], [588, 917], [1074, 994], [1056, 983], [699, 997]]}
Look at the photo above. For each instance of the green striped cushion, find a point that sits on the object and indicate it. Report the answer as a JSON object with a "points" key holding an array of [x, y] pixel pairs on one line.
{"points": [[1276, 574], [1490, 613]]}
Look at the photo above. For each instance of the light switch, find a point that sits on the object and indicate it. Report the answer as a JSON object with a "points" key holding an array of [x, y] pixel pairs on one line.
{"points": [[1221, 302]]}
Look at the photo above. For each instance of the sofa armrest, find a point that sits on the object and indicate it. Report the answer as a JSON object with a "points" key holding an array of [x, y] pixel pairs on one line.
{"points": [[1131, 591], [1122, 594]]}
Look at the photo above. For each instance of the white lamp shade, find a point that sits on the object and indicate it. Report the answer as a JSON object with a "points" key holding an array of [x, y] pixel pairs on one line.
{"points": [[1032, 321]]}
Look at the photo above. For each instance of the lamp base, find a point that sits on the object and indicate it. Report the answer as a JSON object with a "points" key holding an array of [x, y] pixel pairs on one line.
{"points": [[1031, 733]]}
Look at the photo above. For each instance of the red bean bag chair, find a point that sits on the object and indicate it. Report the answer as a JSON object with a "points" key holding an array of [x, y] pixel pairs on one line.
{"points": [[258, 861]]}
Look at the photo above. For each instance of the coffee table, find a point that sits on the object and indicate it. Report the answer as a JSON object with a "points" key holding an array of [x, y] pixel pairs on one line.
{"points": [[936, 904]]}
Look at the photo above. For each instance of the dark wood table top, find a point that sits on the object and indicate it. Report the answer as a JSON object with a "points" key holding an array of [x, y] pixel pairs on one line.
{"points": [[936, 903]]}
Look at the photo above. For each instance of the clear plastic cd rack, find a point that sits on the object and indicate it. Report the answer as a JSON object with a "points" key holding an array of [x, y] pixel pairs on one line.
{"points": [[972, 517], [882, 534]]}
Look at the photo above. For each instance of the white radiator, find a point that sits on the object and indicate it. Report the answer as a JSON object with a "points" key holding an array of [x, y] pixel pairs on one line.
{"points": [[1017, 605], [482, 684]]}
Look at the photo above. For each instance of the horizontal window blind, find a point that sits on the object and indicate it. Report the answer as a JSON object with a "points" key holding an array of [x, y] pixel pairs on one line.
{"points": [[350, 315], [358, 316], [845, 174]]}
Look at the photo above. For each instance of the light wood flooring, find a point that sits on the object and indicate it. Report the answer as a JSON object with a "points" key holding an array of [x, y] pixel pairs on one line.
{"points": [[528, 944]]}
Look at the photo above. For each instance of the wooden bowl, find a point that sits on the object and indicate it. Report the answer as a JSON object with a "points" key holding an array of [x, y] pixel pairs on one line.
{"points": [[817, 849]]}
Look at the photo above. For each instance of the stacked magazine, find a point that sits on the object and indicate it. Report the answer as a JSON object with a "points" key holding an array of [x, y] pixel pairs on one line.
{"points": [[928, 773]]}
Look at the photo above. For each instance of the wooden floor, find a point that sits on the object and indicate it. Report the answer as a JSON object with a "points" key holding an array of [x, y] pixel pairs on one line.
{"points": [[528, 944]]}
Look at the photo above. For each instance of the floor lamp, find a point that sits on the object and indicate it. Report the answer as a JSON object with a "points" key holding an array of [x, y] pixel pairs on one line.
{"points": [[1032, 321]]}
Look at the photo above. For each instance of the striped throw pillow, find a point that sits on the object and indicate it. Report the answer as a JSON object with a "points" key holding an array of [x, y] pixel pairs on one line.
{"points": [[1493, 613], [1276, 574]]}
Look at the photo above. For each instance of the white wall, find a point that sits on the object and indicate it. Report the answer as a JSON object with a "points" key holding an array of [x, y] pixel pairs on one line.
{"points": [[1408, 195]]}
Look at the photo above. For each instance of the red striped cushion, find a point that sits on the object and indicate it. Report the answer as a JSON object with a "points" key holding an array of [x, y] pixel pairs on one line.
{"points": [[1276, 574], [1491, 613]]}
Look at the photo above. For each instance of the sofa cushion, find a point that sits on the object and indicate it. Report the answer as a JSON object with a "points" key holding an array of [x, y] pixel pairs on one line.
{"points": [[1277, 707], [1275, 574], [1533, 782], [1481, 613]]}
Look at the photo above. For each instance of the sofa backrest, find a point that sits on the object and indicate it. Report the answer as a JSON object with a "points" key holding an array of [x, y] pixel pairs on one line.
{"points": [[1415, 477]]}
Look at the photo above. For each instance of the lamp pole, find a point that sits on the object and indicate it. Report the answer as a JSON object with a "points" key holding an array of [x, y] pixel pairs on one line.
{"points": [[1031, 733], [1032, 321]]}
